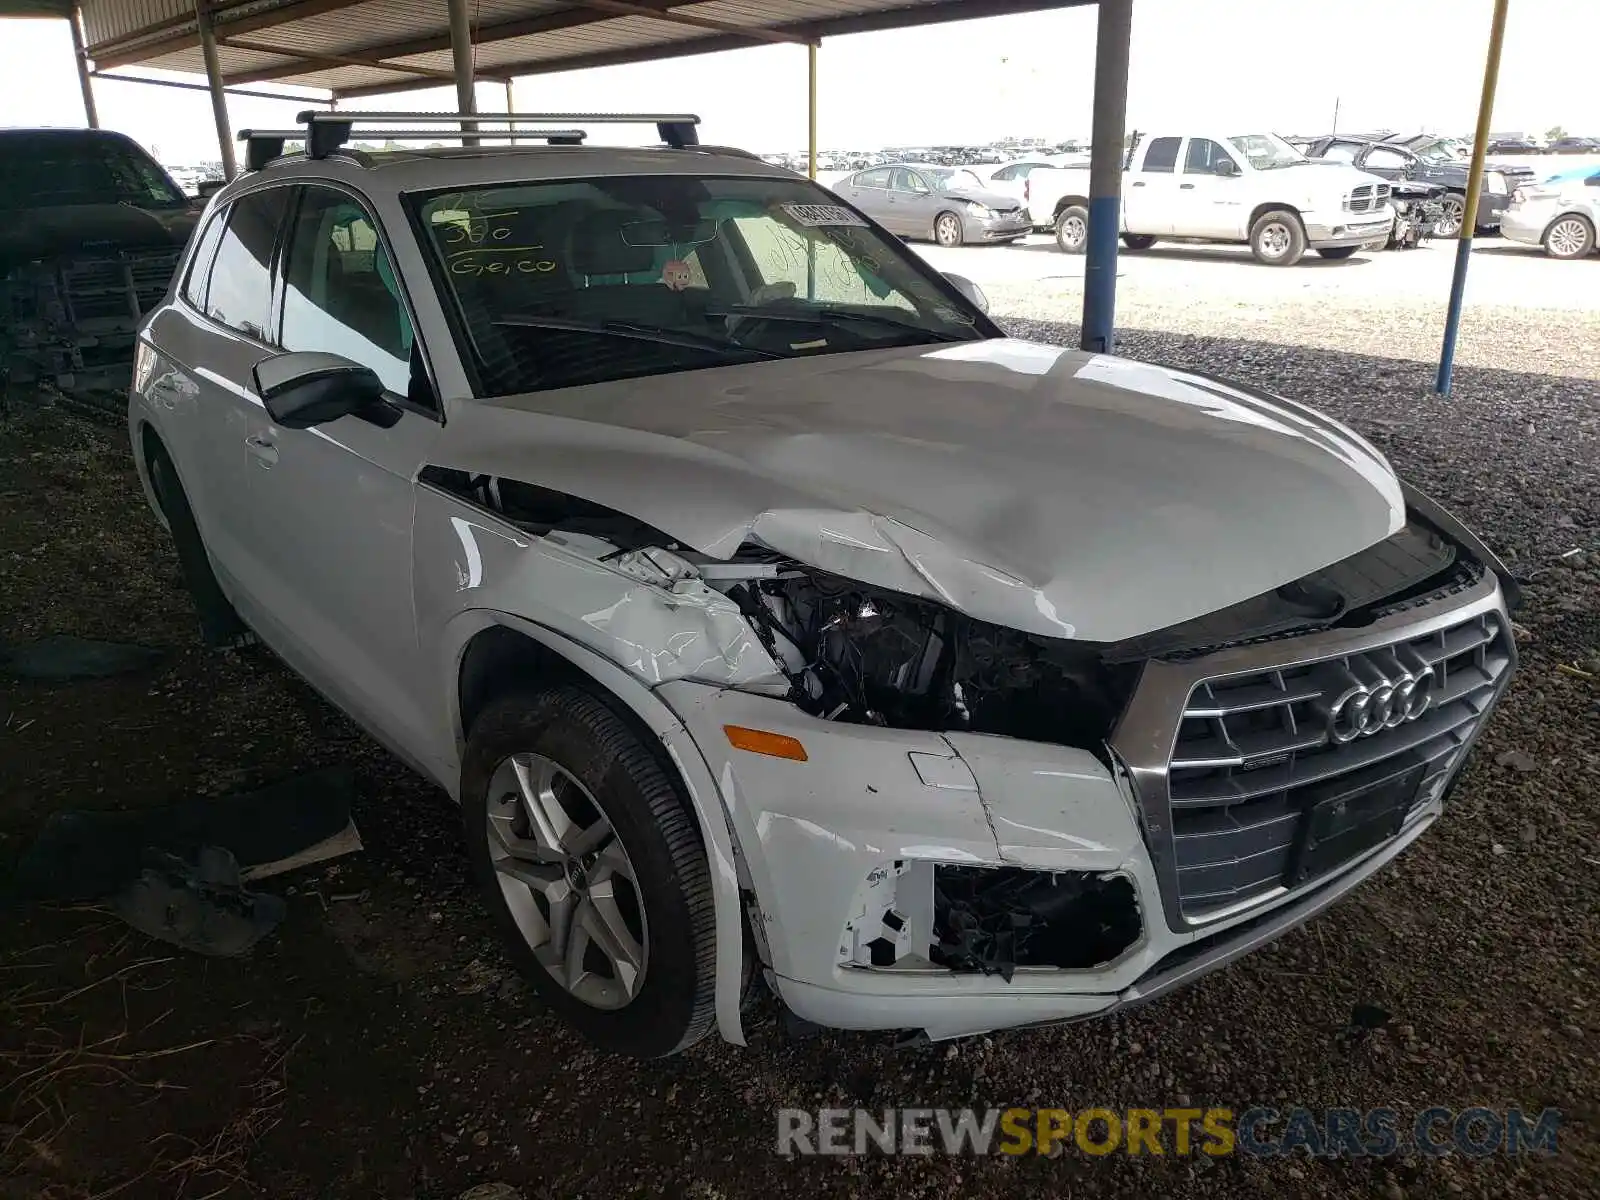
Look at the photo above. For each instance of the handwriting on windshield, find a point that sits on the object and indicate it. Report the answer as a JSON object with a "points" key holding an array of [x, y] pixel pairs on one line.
{"points": [[485, 245]]}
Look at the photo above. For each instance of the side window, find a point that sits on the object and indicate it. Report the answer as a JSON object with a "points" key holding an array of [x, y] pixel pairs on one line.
{"points": [[909, 181], [1384, 158], [873, 179], [1006, 173], [1341, 151], [205, 251], [340, 293], [240, 295], [1203, 156], [1162, 155]]}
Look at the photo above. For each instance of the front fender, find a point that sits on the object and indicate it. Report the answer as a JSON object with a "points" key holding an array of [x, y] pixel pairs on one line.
{"points": [[704, 797]]}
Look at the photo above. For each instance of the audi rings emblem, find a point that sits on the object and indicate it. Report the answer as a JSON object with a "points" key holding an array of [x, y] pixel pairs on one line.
{"points": [[1379, 702]]}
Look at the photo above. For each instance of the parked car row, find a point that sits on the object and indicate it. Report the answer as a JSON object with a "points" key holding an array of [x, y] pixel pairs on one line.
{"points": [[1561, 214], [948, 205]]}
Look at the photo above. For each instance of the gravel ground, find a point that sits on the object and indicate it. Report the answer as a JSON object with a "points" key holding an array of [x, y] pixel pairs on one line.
{"points": [[377, 1045]]}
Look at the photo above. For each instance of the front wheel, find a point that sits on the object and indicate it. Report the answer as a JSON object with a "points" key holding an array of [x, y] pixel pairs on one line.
{"points": [[1338, 252], [592, 863], [1072, 229], [1452, 216], [1278, 239], [1570, 236], [1138, 241], [947, 229]]}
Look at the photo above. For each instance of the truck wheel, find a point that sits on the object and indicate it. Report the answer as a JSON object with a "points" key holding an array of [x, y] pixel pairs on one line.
{"points": [[591, 861], [1072, 229], [1138, 241], [1569, 236], [1452, 215], [1278, 239], [1338, 252], [947, 229]]}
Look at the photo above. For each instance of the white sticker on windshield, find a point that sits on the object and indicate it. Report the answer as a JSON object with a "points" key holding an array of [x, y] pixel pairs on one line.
{"points": [[814, 215]]}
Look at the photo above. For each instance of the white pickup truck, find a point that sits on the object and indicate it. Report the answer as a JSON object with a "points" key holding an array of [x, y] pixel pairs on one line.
{"points": [[1250, 188]]}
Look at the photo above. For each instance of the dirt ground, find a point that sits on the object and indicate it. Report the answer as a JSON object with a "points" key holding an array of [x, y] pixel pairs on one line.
{"points": [[378, 1045]]}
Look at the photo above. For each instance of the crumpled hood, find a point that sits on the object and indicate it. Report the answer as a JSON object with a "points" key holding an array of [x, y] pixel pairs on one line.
{"points": [[1050, 490], [38, 233], [996, 200]]}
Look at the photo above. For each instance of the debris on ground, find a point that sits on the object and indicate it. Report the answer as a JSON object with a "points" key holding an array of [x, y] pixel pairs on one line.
{"points": [[63, 658], [201, 907]]}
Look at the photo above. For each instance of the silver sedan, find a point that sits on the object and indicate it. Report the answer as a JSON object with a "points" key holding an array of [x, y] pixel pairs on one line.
{"points": [[948, 205]]}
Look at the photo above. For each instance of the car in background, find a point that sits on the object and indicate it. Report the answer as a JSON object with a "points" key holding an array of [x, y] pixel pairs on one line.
{"points": [[947, 205], [1574, 145], [1012, 179], [91, 228], [1561, 214], [1515, 146], [1437, 165]]}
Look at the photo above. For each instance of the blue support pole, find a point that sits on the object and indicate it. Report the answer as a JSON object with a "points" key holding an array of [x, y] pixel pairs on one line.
{"points": [[1113, 28], [1480, 143]]}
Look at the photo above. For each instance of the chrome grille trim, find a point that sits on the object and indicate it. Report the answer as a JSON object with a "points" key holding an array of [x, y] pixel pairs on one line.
{"points": [[1221, 809]]}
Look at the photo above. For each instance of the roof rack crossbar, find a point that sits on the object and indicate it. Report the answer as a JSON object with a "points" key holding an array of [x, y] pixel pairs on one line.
{"points": [[329, 130]]}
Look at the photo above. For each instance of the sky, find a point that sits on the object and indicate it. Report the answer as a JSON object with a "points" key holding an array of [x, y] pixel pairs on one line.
{"points": [[1234, 64]]}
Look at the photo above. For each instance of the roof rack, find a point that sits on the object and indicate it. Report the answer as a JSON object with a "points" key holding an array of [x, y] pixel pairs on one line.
{"points": [[326, 132]]}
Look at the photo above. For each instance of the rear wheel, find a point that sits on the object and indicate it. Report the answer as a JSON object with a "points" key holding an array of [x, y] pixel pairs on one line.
{"points": [[1278, 239], [1072, 229], [220, 625], [1452, 215], [593, 866], [947, 229], [1569, 236], [1138, 241], [1338, 252]]}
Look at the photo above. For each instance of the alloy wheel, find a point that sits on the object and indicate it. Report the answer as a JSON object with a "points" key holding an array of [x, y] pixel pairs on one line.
{"points": [[1568, 238], [1074, 231], [948, 232], [567, 881], [1451, 216], [1276, 239]]}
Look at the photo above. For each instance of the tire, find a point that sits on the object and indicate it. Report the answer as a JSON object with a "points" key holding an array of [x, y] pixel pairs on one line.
{"points": [[1452, 216], [1570, 235], [615, 819], [1138, 241], [220, 625], [1338, 252], [1072, 229], [1278, 239], [947, 230]]}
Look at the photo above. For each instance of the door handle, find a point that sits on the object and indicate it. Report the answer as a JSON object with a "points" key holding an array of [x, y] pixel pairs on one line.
{"points": [[1138, 183], [1188, 187], [261, 449]]}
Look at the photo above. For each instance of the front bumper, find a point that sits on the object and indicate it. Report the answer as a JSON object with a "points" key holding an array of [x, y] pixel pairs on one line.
{"points": [[998, 227], [1348, 229], [828, 846]]}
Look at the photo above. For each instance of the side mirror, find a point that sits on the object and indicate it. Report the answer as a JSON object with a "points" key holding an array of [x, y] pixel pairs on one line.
{"points": [[1226, 167], [970, 290], [305, 388], [208, 188]]}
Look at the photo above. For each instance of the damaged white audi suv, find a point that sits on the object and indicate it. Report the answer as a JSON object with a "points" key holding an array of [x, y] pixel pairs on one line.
{"points": [[772, 616]]}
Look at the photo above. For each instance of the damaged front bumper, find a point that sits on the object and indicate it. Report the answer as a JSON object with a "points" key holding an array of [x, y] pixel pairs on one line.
{"points": [[853, 860]]}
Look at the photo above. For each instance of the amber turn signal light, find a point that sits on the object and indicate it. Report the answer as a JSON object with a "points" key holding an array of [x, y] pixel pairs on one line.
{"points": [[759, 741]]}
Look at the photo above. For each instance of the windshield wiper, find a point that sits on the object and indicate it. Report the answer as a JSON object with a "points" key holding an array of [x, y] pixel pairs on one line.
{"points": [[638, 333], [825, 312]]}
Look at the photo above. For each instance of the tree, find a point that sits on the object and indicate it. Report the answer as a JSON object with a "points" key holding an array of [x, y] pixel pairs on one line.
{"points": [[1554, 134]]}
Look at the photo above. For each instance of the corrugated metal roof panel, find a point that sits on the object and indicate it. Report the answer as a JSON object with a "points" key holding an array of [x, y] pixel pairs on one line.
{"points": [[108, 20]]}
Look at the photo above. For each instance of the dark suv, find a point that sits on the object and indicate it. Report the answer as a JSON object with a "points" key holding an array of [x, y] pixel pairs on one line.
{"points": [[91, 228], [1434, 165]]}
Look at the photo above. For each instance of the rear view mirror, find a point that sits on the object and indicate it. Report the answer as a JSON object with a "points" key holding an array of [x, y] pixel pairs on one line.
{"points": [[970, 290], [306, 388]]}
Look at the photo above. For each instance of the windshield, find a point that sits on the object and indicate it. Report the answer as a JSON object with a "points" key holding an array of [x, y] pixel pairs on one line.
{"points": [[948, 178], [582, 281], [1446, 151], [1266, 150], [47, 170]]}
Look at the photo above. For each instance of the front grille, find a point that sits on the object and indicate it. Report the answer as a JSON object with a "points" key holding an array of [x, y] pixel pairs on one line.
{"points": [[1253, 781], [1255, 751], [1367, 198], [124, 284]]}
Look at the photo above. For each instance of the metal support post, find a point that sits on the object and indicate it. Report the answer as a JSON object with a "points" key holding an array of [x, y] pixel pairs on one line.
{"points": [[1113, 28]]}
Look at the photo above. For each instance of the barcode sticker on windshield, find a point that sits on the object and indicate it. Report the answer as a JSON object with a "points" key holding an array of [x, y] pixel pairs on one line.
{"points": [[814, 215]]}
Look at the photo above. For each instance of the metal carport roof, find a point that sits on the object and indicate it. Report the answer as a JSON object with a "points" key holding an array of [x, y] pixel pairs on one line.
{"points": [[363, 47]]}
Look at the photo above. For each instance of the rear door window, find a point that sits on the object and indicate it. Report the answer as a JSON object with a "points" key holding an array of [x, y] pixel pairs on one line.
{"points": [[240, 295], [1162, 155], [194, 288]]}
